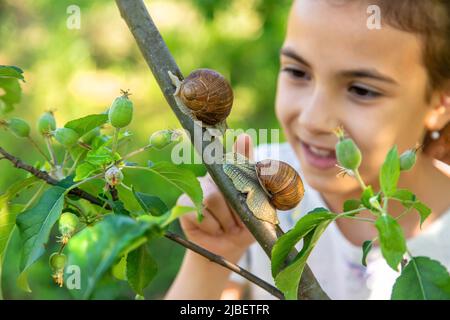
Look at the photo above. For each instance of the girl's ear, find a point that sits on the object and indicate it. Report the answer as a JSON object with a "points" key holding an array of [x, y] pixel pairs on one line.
{"points": [[439, 116]]}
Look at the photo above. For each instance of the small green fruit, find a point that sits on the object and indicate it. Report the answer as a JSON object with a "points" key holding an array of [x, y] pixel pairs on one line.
{"points": [[121, 111], [19, 127], [113, 176], [407, 160], [68, 223], [57, 261], [67, 137], [161, 139], [46, 123], [348, 154]]}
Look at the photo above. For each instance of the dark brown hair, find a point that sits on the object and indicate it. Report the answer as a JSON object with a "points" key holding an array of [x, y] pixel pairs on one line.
{"points": [[430, 20]]}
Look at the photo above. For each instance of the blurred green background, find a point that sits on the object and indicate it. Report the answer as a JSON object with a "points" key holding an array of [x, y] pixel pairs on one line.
{"points": [[79, 71]]}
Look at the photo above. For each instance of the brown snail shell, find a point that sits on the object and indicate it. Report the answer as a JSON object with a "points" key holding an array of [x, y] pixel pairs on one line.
{"points": [[281, 182], [208, 95]]}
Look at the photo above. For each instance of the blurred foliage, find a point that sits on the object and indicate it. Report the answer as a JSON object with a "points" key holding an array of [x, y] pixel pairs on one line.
{"points": [[80, 71]]}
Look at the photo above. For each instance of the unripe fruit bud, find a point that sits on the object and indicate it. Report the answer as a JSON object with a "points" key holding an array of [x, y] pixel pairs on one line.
{"points": [[161, 139], [121, 111], [68, 223], [57, 261], [407, 160], [46, 123], [67, 137], [113, 176], [348, 154], [19, 127]]}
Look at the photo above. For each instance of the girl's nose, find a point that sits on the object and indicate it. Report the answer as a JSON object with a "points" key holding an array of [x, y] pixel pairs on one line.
{"points": [[319, 114]]}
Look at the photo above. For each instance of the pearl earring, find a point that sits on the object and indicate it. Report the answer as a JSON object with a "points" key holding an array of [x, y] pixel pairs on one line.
{"points": [[435, 135]]}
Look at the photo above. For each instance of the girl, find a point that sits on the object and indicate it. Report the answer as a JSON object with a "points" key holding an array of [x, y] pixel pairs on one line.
{"points": [[387, 86]]}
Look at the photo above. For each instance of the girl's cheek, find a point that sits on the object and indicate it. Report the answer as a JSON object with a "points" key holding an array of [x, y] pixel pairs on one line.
{"points": [[286, 103]]}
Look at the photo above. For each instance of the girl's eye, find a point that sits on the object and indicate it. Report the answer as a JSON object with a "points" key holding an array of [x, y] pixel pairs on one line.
{"points": [[296, 73], [364, 93]]}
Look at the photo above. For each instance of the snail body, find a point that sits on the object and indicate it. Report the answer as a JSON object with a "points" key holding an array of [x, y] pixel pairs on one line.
{"points": [[205, 95], [269, 185]]}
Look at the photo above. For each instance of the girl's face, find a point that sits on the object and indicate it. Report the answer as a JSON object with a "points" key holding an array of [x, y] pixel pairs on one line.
{"points": [[336, 71]]}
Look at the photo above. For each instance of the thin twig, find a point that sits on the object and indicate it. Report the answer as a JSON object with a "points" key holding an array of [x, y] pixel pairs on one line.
{"points": [[114, 193], [36, 146], [133, 153], [221, 261], [115, 139], [407, 210], [51, 151], [46, 177], [160, 61]]}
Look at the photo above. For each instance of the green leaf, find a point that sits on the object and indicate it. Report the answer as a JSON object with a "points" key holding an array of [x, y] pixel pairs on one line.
{"points": [[422, 279], [423, 211], [408, 200], [77, 152], [22, 281], [9, 212], [95, 249], [318, 210], [180, 178], [288, 279], [9, 82], [175, 213], [366, 247], [101, 157], [36, 223], [85, 170], [151, 204], [351, 205], [167, 218], [392, 240], [86, 124], [366, 196], [118, 207], [11, 72], [12, 94], [141, 269], [287, 242], [406, 197], [390, 172], [119, 270]]}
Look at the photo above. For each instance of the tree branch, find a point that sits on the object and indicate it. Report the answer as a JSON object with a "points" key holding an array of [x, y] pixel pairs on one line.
{"points": [[224, 263], [160, 61], [47, 178], [169, 235]]}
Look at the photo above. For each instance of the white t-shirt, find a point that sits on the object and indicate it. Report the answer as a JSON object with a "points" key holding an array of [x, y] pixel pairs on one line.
{"points": [[336, 262]]}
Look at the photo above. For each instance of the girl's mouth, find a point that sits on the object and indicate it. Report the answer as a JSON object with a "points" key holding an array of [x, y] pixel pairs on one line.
{"points": [[320, 158]]}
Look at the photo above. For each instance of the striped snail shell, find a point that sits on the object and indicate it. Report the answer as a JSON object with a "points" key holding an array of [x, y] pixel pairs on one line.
{"points": [[208, 95], [281, 182]]}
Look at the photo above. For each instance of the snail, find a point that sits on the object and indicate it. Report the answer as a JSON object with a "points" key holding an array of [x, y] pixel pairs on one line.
{"points": [[205, 95], [283, 184], [269, 185]]}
